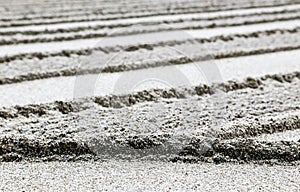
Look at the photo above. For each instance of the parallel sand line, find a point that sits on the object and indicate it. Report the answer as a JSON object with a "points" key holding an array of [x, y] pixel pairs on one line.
{"points": [[65, 148], [152, 95], [66, 88], [108, 7], [108, 4], [173, 12], [161, 146], [102, 33], [173, 147], [21, 49], [44, 29], [93, 28], [133, 66], [130, 99], [149, 46]]}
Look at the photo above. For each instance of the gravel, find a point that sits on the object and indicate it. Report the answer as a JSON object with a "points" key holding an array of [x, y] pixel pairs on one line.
{"points": [[146, 176]]}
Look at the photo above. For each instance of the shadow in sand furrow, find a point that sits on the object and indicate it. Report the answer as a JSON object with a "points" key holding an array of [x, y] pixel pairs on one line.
{"points": [[17, 149], [150, 147], [241, 150]]}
